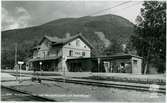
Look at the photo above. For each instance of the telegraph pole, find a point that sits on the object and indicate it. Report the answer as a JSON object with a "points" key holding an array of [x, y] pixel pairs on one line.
{"points": [[16, 54], [15, 65]]}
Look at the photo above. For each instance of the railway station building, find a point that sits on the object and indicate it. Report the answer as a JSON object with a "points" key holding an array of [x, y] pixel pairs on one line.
{"points": [[73, 54], [51, 53]]}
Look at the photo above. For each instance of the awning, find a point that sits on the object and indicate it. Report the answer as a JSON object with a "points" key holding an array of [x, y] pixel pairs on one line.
{"points": [[44, 59]]}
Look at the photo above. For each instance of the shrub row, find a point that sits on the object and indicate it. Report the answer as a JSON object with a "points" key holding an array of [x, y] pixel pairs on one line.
{"points": [[129, 80]]}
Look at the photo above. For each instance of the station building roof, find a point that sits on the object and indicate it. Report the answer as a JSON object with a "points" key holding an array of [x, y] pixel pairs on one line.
{"points": [[117, 56]]}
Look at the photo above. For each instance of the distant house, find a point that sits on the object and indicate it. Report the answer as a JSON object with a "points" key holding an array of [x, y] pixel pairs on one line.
{"points": [[52, 52]]}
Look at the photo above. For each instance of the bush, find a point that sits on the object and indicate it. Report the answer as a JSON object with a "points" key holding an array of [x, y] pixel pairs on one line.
{"points": [[128, 79]]}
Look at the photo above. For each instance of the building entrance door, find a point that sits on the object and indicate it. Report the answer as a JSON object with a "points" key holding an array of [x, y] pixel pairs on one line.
{"points": [[107, 66], [134, 67]]}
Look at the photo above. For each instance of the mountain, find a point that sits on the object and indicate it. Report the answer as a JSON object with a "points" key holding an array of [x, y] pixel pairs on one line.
{"points": [[113, 27], [97, 29]]}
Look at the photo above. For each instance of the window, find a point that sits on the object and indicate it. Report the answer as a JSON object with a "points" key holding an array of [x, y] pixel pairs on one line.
{"points": [[77, 42], [57, 52], [44, 54], [70, 53], [83, 53], [48, 53], [69, 43], [48, 44], [134, 61], [85, 46]]}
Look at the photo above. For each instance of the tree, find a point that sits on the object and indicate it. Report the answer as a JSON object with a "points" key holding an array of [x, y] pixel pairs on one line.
{"points": [[24, 50], [150, 34], [114, 48], [98, 47], [130, 49]]}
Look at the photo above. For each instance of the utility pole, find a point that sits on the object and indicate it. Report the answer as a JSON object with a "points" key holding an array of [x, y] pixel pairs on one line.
{"points": [[16, 54], [15, 65], [64, 67]]}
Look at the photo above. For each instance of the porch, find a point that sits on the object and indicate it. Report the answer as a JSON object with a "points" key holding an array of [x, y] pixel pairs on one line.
{"points": [[45, 64]]}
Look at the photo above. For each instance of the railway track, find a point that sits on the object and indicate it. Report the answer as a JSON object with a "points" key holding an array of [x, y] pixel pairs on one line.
{"points": [[18, 95], [100, 84]]}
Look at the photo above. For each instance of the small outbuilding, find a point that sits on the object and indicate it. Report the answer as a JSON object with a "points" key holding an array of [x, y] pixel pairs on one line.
{"points": [[122, 63]]}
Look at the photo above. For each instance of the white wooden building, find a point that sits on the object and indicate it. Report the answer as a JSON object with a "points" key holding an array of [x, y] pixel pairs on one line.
{"points": [[53, 52]]}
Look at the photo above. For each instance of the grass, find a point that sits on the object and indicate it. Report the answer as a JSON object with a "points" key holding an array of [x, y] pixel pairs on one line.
{"points": [[44, 73], [159, 81], [72, 92]]}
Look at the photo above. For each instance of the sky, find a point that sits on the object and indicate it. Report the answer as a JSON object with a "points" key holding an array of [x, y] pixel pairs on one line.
{"points": [[21, 14]]}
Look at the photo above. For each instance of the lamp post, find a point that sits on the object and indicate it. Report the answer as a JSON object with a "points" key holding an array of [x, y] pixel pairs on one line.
{"points": [[98, 65], [40, 63]]}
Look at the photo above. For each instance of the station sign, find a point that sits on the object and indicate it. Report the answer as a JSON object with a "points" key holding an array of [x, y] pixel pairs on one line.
{"points": [[20, 62]]}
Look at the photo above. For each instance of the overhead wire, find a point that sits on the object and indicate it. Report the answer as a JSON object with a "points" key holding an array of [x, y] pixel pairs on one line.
{"points": [[99, 11]]}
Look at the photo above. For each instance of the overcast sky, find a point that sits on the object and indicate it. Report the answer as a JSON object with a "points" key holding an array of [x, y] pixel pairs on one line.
{"points": [[20, 14]]}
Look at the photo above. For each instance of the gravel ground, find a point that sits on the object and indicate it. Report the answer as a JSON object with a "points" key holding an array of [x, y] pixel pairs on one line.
{"points": [[76, 92], [8, 76], [9, 95]]}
